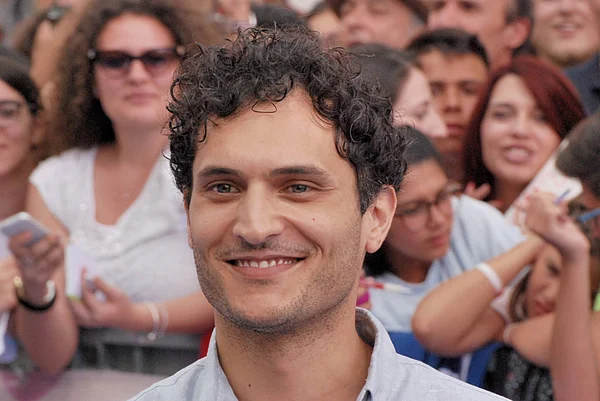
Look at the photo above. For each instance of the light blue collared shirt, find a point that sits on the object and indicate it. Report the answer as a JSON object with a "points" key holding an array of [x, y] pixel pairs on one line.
{"points": [[391, 376]]}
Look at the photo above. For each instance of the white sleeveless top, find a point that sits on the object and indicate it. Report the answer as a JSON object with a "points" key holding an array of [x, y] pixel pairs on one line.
{"points": [[145, 253]]}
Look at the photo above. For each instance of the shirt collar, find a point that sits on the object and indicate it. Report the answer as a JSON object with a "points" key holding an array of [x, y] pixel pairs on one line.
{"points": [[371, 331]]}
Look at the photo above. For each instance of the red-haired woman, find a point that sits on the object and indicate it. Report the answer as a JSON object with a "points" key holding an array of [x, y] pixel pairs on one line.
{"points": [[524, 112]]}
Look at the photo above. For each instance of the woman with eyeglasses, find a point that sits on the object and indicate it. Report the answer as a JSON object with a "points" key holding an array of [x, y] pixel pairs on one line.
{"points": [[543, 320], [46, 338], [110, 191], [436, 234]]}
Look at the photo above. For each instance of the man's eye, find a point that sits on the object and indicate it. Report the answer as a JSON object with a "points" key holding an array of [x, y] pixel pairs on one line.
{"points": [[223, 188], [298, 188]]}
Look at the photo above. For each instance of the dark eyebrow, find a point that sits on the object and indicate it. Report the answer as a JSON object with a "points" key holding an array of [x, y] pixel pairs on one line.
{"points": [[300, 170], [212, 171]]}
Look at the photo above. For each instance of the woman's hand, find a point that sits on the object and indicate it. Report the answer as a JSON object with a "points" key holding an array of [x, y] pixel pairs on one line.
{"points": [[8, 296], [480, 193], [116, 310], [37, 263], [553, 224]]}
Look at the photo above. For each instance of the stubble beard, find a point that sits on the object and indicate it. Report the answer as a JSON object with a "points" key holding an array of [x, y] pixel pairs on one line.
{"points": [[315, 306]]}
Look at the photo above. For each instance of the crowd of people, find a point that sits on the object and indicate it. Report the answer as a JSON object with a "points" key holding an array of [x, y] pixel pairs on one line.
{"points": [[312, 189]]}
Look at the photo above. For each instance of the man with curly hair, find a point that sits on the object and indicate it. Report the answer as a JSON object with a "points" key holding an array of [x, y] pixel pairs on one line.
{"points": [[289, 166]]}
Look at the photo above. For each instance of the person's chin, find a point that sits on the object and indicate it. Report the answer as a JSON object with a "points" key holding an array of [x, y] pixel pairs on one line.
{"points": [[259, 318]]}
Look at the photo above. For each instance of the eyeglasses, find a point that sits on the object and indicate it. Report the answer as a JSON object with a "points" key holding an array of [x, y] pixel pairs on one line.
{"points": [[116, 63], [416, 215], [10, 111]]}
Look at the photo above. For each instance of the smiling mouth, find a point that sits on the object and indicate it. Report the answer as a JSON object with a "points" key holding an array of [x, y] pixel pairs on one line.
{"points": [[263, 263]]}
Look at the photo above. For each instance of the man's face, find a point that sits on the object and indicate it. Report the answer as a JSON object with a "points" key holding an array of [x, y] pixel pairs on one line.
{"points": [[455, 81], [388, 22], [565, 31], [484, 18], [274, 218]]}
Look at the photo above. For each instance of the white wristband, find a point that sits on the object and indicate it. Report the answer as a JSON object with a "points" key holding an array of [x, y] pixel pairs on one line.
{"points": [[492, 276], [154, 334]]}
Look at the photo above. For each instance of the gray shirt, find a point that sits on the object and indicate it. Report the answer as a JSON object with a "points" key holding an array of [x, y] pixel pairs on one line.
{"points": [[391, 376]]}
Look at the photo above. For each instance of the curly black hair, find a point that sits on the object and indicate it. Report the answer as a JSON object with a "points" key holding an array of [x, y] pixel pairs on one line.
{"points": [[265, 65]]}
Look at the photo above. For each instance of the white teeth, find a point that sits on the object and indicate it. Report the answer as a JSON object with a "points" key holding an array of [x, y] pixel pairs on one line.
{"points": [[263, 264]]}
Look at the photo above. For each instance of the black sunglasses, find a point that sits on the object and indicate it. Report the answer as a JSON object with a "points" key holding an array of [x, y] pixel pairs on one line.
{"points": [[116, 63]]}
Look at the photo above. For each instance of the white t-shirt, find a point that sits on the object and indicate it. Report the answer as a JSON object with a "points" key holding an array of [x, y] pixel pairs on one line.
{"points": [[479, 233], [146, 253]]}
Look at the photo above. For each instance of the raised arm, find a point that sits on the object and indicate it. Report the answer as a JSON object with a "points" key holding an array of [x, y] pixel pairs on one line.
{"points": [[573, 357], [49, 337], [456, 317]]}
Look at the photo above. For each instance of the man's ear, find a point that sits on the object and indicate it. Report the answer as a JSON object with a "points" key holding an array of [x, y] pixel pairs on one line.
{"points": [[378, 219], [517, 32]]}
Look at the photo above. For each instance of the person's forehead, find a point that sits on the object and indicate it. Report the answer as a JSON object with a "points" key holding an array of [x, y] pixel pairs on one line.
{"points": [[423, 181], [445, 66], [511, 88], [7, 92], [269, 135], [418, 7]]}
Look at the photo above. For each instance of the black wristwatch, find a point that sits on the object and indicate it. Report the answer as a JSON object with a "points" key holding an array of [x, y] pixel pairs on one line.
{"points": [[49, 298]]}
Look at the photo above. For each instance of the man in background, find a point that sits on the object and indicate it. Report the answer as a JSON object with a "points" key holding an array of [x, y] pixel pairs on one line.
{"points": [[565, 31], [503, 26], [456, 65], [388, 22]]}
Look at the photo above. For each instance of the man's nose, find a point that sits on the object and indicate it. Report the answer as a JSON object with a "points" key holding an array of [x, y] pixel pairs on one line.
{"points": [[257, 217]]}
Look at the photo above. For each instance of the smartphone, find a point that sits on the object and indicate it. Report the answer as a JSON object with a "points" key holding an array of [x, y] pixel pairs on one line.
{"points": [[23, 222]]}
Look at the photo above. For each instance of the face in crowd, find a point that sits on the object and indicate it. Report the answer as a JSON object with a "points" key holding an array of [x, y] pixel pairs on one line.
{"points": [[19, 132], [329, 27], [421, 228], [565, 31], [489, 20], [516, 138], [455, 81], [415, 106], [134, 60], [264, 196], [389, 22]]}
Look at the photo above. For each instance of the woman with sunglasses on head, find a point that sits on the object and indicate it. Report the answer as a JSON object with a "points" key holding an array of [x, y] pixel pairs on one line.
{"points": [[47, 338], [109, 187], [436, 234], [525, 110]]}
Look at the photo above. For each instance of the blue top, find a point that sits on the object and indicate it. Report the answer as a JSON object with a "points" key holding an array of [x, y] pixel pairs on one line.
{"points": [[479, 233], [586, 78]]}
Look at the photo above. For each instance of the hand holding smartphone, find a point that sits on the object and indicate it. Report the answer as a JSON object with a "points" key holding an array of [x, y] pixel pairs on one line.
{"points": [[21, 223]]}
